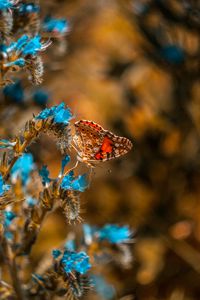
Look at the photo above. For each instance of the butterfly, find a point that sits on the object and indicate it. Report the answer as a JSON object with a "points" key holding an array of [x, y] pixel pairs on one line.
{"points": [[96, 144]]}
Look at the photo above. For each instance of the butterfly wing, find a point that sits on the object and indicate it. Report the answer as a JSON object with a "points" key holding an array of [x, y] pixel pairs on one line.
{"points": [[98, 144], [113, 146]]}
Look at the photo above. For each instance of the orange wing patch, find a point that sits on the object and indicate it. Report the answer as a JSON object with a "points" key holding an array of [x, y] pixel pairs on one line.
{"points": [[106, 148], [107, 145]]}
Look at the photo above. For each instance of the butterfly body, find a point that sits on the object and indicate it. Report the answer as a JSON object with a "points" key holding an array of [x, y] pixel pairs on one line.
{"points": [[97, 144]]}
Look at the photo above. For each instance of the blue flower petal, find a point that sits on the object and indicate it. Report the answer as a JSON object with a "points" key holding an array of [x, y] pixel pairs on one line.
{"points": [[114, 234], [5, 4], [56, 253], [67, 181], [70, 245], [22, 168], [104, 289], [49, 112], [31, 201], [65, 161], [75, 261], [3, 187], [55, 25], [63, 116], [80, 183], [44, 173], [9, 216], [33, 46]]}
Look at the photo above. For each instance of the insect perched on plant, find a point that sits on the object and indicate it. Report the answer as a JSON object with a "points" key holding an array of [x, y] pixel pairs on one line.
{"points": [[96, 144]]}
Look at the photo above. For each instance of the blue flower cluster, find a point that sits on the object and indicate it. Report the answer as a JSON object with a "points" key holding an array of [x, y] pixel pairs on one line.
{"points": [[113, 233], [75, 261], [22, 168], [3, 187], [17, 94], [6, 4], [52, 25], [25, 8], [70, 182], [58, 113], [18, 51], [103, 288]]}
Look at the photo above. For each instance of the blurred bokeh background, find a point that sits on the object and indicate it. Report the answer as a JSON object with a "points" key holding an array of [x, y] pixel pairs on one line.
{"points": [[134, 68]]}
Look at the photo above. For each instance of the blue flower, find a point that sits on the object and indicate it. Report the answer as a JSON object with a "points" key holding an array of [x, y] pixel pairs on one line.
{"points": [[6, 4], [67, 181], [173, 54], [104, 289], [114, 234], [65, 161], [22, 168], [9, 216], [33, 46], [44, 173], [80, 183], [63, 116], [88, 233], [55, 25], [59, 113], [70, 182], [70, 245], [31, 201], [14, 92], [75, 261], [8, 235], [28, 8], [56, 253], [19, 45], [25, 46], [45, 113], [6, 144], [40, 97], [3, 187]]}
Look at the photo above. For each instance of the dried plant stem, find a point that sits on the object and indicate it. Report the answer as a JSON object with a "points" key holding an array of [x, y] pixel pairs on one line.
{"points": [[12, 267], [31, 230]]}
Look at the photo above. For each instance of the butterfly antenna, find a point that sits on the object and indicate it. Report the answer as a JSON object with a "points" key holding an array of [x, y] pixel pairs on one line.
{"points": [[71, 169], [73, 146]]}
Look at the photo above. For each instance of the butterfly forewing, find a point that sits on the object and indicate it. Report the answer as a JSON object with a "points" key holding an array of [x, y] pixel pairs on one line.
{"points": [[98, 144]]}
